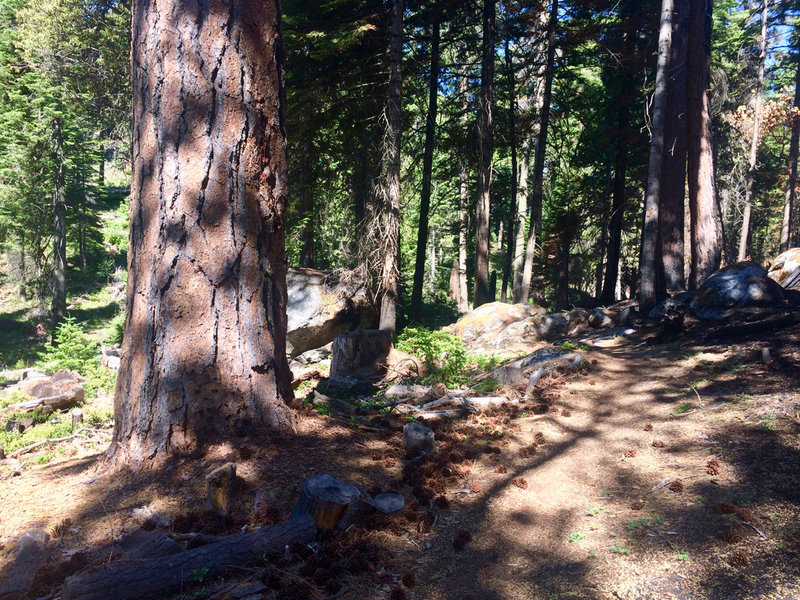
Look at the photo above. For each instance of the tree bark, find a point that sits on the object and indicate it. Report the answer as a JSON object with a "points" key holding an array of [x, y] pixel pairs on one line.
{"points": [[59, 305], [788, 206], [486, 150], [650, 256], [702, 194], [204, 354], [752, 159], [539, 155], [427, 168], [390, 273], [673, 170]]}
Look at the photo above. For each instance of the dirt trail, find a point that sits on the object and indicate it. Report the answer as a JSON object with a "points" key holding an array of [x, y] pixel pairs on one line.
{"points": [[653, 472], [588, 524]]}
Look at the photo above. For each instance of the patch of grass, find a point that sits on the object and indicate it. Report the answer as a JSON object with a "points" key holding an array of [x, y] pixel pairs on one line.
{"points": [[592, 553], [576, 536], [324, 408], [97, 416], [659, 520], [637, 523], [13, 398], [13, 441], [618, 548], [593, 511], [567, 346], [683, 407], [488, 385], [768, 423], [683, 555]]}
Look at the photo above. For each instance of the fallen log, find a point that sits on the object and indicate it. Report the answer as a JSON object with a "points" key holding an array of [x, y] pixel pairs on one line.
{"points": [[568, 362], [69, 399], [31, 554], [474, 404], [160, 577]]}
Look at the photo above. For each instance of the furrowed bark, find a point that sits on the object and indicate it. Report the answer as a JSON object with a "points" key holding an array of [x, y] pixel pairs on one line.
{"points": [[204, 355]]}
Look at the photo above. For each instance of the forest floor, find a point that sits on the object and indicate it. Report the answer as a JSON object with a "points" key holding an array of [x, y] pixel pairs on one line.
{"points": [[666, 471]]}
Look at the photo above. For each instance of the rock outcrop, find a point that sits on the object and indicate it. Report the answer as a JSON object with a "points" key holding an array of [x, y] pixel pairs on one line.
{"points": [[322, 306], [786, 269], [739, 285]]}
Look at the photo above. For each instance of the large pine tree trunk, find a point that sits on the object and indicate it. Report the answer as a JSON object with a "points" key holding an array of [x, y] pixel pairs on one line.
{"points": [[59, 305], [390, 272], [788, 206], [204, 356], [486, 150], [539, 155], [463, 212], [702, 195], [427, 168], [673, 170], [650, 256], [752, 159]]}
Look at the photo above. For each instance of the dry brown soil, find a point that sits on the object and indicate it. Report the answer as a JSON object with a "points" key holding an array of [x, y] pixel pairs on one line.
{"points": [[657, 472]]}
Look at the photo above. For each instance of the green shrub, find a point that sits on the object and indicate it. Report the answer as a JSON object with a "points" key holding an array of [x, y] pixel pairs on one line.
{"points": [[444, 354], [72, 350]]}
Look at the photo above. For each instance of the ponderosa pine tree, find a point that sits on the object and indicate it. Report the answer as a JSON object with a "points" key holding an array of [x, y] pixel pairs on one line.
{"points": [[791, 183], [205, 330], [700, 155]]}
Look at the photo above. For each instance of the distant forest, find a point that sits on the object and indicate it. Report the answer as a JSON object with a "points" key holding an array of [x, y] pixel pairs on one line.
{"points": [[570, 152]]}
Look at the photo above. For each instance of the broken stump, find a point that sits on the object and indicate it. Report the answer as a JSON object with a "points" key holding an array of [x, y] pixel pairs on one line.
{"points": [[418, 439], [219, 488], [333, 503], [360, 354]]}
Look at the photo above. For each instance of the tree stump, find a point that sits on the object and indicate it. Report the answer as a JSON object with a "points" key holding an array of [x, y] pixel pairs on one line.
{"points": [[30, 554], [360, 354], [332, 503], [219, 488], [77, 419], [418, 439]]}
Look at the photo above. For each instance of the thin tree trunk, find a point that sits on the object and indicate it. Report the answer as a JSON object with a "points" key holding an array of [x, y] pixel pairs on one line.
{"points": [[306, 194], [673, 174], [427, 168], [624, 103], [702, 194], [539, 155], [59, 305], [649, 259], [486, 150], [786, 227], [204, 351], [463, 212], [521, 217], [512, 204], [752, 159], [390, 273]]}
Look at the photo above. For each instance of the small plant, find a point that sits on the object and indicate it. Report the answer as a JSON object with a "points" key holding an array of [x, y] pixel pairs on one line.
{"points": [[199, 574], [658, 520], [567, 346], [683, 555], [353, 424], [576, 536], [444, 354], [768, 423], [592, 553], [324, 408], [72, 350], [683, 408], [636, 524], [593, 511], [618, 548]]}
